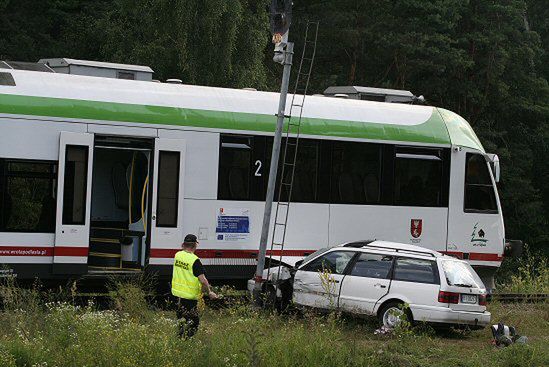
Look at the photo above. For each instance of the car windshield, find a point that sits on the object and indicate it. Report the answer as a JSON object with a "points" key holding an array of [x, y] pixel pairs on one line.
{"points": [[461, 274], [314, 254]]}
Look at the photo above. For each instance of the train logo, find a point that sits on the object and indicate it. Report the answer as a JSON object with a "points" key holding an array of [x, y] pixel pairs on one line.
{"points": [[477, 237], [416, 225]]}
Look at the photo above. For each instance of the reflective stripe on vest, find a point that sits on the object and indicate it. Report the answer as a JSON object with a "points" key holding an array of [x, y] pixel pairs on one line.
{"points": [[184, 283]]}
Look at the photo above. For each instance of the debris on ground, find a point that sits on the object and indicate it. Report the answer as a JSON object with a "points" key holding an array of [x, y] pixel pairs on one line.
{"points": [[505, 335], [383, 331]]}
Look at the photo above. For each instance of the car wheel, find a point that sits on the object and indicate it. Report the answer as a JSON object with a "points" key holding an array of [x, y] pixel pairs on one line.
{"points": [[392, 314]]}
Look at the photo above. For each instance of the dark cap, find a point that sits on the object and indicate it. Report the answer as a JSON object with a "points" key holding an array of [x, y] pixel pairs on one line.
{"points": [[190, 238]]}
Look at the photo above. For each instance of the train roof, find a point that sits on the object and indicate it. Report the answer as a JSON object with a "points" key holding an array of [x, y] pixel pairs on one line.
{"points": [[130, 101]]}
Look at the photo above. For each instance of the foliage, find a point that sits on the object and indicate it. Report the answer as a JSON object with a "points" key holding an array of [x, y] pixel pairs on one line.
{"points": [[529, 275], [329, 286], [129, 297], [61, 334], [487, 60]]}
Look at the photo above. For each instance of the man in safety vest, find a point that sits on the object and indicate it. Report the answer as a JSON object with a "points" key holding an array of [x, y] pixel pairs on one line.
{"points": [[188, 281]]}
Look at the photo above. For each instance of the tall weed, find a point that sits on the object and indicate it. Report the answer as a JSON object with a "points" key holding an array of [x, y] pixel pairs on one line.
{"points": [[135, 335], [129, 296], [14, 297], [530, 276]]}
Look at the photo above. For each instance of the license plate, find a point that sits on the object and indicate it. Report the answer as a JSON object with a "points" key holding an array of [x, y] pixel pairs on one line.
{"points": [[469, 298]]}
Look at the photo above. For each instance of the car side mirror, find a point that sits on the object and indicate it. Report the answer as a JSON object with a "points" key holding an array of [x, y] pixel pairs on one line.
{"points": [[494, 165], [298, 264]]}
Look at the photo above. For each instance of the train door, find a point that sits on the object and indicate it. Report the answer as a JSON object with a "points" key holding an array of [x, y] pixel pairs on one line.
{"points": [[119, 203], [166, 224], [70, 255]]}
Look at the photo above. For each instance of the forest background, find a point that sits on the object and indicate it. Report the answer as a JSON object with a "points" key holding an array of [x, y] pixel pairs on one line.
{"points": [[487, 60]]}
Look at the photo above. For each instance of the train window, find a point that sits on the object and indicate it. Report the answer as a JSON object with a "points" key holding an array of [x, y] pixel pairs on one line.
{"points": [[235, 168], [418, 178], [28, 196], [244, 164], [305, 182], [168, 189], [75, 184], [356, 173], [479, 191]]}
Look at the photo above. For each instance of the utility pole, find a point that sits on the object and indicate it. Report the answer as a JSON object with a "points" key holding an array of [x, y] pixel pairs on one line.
{"points": [[281, 14]]}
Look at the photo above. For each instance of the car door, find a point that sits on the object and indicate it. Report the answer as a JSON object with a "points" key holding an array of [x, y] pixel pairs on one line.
{"points": [[417, 282], [317, 283], [366, 282]]}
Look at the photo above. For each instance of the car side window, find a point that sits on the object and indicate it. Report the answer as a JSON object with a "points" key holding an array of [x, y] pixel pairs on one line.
{"points": [[334, 262], [372, 266], [416, 270]]}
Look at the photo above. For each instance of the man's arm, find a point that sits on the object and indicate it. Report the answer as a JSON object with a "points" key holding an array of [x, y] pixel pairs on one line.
{"points": [[206, 286]]}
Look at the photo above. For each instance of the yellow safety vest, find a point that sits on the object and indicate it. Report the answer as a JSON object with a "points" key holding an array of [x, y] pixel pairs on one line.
{"points": [[184, 283]]}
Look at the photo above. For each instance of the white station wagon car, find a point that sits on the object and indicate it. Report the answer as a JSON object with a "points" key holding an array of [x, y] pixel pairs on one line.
{"points": [[377, 277]]}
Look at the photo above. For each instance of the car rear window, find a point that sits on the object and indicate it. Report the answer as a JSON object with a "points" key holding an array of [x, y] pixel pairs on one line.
{"points": [[461, 274], [416, 270]]}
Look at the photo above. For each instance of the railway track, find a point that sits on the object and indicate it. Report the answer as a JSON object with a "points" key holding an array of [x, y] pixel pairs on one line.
{"points": [[518, 297], [163, 301]]}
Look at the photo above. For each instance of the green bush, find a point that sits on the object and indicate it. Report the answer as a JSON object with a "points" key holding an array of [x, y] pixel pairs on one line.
{"points": [[57, 333], [528, 274]]}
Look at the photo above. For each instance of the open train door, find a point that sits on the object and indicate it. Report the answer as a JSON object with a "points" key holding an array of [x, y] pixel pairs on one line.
{"points": [[72, 229], [166, 232]]}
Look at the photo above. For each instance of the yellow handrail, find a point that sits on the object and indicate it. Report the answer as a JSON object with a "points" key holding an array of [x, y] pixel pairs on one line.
{"points": [[143, 204], [130, 190]]}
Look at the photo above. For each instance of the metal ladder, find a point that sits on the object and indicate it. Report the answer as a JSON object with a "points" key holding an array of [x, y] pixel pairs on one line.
{"points": [[291, 144]]}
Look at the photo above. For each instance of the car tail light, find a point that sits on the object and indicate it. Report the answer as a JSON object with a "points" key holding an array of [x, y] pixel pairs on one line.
{"points": [[448, 297], [482, 299]]}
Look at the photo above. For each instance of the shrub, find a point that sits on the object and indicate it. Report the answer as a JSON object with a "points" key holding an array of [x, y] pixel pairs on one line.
{"points": [[129, 295], [530, 275]]}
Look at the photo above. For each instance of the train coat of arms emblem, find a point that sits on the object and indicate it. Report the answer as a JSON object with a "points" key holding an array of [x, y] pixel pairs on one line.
{"points": [[416, 225]]}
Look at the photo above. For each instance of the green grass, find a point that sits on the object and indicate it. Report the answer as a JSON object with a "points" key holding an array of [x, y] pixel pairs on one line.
{"points": [[54, 333]]}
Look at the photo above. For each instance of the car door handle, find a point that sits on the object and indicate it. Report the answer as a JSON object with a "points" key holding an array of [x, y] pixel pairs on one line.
{"points": [[380, 285], [335, 280]]}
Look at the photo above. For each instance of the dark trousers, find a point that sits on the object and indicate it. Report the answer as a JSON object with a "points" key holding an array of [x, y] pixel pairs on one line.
{"points": [[187, 314]]}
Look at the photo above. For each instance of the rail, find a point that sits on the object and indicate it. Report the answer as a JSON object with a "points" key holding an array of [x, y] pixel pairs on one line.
{"points": [[518, 297]]}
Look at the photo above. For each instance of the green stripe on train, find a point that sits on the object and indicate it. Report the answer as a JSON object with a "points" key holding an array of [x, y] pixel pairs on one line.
{"points": [[432, 131]]}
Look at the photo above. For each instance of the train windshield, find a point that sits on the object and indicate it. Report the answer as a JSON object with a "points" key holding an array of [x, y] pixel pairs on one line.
{"points": [[461, 274], [480, 196]]}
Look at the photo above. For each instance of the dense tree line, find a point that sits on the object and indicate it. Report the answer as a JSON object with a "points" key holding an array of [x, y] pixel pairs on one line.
{"points": [[487, 60]]}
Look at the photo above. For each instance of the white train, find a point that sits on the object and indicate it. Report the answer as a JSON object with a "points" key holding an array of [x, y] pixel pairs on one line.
{"points": [[102, 175]]}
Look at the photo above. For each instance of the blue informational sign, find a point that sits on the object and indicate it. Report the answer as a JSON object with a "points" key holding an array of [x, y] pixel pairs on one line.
{"points": [[232, 225]]}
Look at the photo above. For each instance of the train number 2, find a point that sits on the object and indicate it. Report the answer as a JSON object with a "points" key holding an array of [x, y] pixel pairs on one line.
{"points": [[258, 165]]}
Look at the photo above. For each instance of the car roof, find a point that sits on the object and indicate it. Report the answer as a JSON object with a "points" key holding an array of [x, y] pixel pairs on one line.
{"points": [[392, 247]]}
